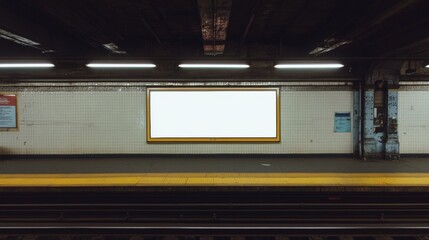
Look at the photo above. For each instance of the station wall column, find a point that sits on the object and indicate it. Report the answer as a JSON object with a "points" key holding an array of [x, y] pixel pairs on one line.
{"points": [[380, 112], [392, 143]]}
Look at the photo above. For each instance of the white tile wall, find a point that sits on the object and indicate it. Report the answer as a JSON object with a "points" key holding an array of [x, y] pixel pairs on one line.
{"points": [[108, 122], [308, 121], [413, 121]]}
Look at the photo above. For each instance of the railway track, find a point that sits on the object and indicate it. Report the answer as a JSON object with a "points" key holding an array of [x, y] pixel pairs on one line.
{"points": [[215, 213], [269, 237]]}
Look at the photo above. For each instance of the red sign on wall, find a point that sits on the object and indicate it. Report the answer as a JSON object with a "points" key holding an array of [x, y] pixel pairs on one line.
{"points": [[8, 111]]}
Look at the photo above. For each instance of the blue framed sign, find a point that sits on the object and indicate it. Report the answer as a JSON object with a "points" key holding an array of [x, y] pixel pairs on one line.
{"points": [[342, 122]]}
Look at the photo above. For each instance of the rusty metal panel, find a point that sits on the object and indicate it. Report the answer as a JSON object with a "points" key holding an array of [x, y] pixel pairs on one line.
{"points": [[214, 15]]}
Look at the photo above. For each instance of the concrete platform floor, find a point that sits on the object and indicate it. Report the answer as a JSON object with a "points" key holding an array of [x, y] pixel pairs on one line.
{"points": [[206, 164]]}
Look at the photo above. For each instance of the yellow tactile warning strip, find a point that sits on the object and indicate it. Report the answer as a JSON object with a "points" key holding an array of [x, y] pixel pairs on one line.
{"points": [[214, 179]]}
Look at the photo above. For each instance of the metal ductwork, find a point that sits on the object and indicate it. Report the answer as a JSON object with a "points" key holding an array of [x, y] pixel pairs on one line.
{"points": [[214, 15]]}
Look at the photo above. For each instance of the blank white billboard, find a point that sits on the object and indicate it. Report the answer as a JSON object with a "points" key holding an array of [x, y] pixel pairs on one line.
{"points": [[213, 114]]}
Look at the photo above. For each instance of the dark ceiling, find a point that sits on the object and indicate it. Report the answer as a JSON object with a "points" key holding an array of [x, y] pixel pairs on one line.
{"points": [[201, 28]]}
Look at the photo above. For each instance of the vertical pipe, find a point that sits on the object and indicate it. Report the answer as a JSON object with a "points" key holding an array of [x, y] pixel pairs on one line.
{"points": [[356, 115], [392, 143], [360, 122]]}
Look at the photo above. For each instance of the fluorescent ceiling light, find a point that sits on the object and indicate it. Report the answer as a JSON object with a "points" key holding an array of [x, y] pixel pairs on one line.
{"points": [[26, 65], [120, 65], [309, 65], [213, 65]]}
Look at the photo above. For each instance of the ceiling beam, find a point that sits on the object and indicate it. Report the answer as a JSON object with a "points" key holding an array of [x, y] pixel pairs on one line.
{"points": [[84, 24], [29, 30], [250, 21], [333, 42], [150, 29], [419, 48]]}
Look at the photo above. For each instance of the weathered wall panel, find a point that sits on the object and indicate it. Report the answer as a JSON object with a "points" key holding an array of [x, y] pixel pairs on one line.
{"points": [[413, 121]]}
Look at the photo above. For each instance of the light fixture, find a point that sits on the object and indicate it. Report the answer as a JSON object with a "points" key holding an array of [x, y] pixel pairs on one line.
{"points": [[23, 41], [26, 65], [427, 66], [212, 65], [120, 65], [113, 48], [17, 39], [309, 65]]}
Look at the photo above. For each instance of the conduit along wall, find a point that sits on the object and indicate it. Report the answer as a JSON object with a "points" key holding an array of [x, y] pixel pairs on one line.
{"points": [[105, 119]]}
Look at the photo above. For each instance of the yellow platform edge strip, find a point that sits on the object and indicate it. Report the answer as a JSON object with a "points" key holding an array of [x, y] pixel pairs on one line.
{"points": [[214, 179]]}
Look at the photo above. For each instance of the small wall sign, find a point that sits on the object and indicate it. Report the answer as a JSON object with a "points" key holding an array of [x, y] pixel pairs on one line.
{"points": [[8, 111], [342, 122]]}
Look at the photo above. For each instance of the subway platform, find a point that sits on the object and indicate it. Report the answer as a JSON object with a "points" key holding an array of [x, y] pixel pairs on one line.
{"points": [[227, 171]]}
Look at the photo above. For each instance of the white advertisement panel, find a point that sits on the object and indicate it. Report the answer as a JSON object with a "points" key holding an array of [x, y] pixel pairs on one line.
{"points": [[213, 114]]}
